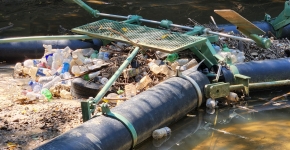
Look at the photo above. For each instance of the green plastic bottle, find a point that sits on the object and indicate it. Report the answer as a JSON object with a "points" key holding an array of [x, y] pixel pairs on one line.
{"points": [[94, 55], [225, 48], [45, 92], [172, 57]]}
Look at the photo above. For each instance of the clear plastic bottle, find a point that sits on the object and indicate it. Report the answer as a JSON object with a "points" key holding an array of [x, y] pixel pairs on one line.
{"points": [[154, 68], [33, 96], [164, 70], [65, 94], [143, 82], [35, 86], [79, 55], [78, 70], [130, 90], [190, 64], [49, 84], [162, 132], [57, 60], [66, 52]]}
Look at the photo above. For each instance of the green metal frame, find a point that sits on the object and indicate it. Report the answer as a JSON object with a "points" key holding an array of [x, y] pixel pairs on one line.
{"points": [[106, 111], [281, 20]]}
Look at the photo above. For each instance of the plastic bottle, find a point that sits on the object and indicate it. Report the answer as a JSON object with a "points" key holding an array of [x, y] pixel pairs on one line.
{"points": [[78, 70], [18, 68], [225, 48], [49, 61], [43, 80], [66, 52], [32, 72], [47, 94], [216, 48], [35, 86], [106, 56], [131, 72], [28, 63], [78, 54], [164, 70], [182, 62], [52, 82], [104, 80], [57, 60], [33, 96], [65, 94], [65, 66], [143, 82], [94, 74], [130, 90], [43, 72], [94, 55], [172, 57], [154, 67], [162, 132], [190, 64]]}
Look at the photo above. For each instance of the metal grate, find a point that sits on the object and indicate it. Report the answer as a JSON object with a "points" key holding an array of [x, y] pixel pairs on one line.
{"points": [[144, 36]]}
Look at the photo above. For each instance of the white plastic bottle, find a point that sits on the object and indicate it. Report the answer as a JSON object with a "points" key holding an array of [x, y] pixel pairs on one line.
{"points": [[49, 84], [57, 60], [159, 133], [33, 96], [28, 63], [43, 80], [94, 74]]}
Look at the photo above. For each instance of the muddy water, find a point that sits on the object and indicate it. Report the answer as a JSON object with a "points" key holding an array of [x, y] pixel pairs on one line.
{"points": [[265, 129], [260, 128]]}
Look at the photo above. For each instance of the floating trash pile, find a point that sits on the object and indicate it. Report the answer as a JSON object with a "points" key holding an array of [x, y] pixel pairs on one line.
{"points": [[81, 73]]}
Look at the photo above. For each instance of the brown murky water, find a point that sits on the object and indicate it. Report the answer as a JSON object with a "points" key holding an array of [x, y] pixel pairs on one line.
{"points": [[266, 129]]}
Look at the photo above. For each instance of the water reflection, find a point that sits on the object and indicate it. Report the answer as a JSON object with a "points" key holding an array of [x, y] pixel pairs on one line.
{"points": [[257, 127]]}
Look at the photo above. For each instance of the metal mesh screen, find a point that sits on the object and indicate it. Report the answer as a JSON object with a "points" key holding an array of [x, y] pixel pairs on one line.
{"points": [[144, 36]]}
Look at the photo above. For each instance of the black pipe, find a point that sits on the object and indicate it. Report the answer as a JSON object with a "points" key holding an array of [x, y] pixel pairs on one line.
{"points": [[261, 71], [19, 51], [157, 107], [265, 26]]}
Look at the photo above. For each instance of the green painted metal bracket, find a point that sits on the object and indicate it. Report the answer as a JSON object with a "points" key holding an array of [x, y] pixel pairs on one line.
{"points": [[89, 106], [197, 30], [261, 42], [87, 8], [242, 79], [281, 20], [133, 19], [217, 90], [166, 23], [207, 53], [106, 111]]}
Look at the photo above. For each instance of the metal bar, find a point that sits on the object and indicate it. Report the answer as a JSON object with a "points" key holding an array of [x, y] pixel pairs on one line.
{"points": [[111, 15], [269, 84], [104, 90], [261, 85], [231, 36], [33, 38]]}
